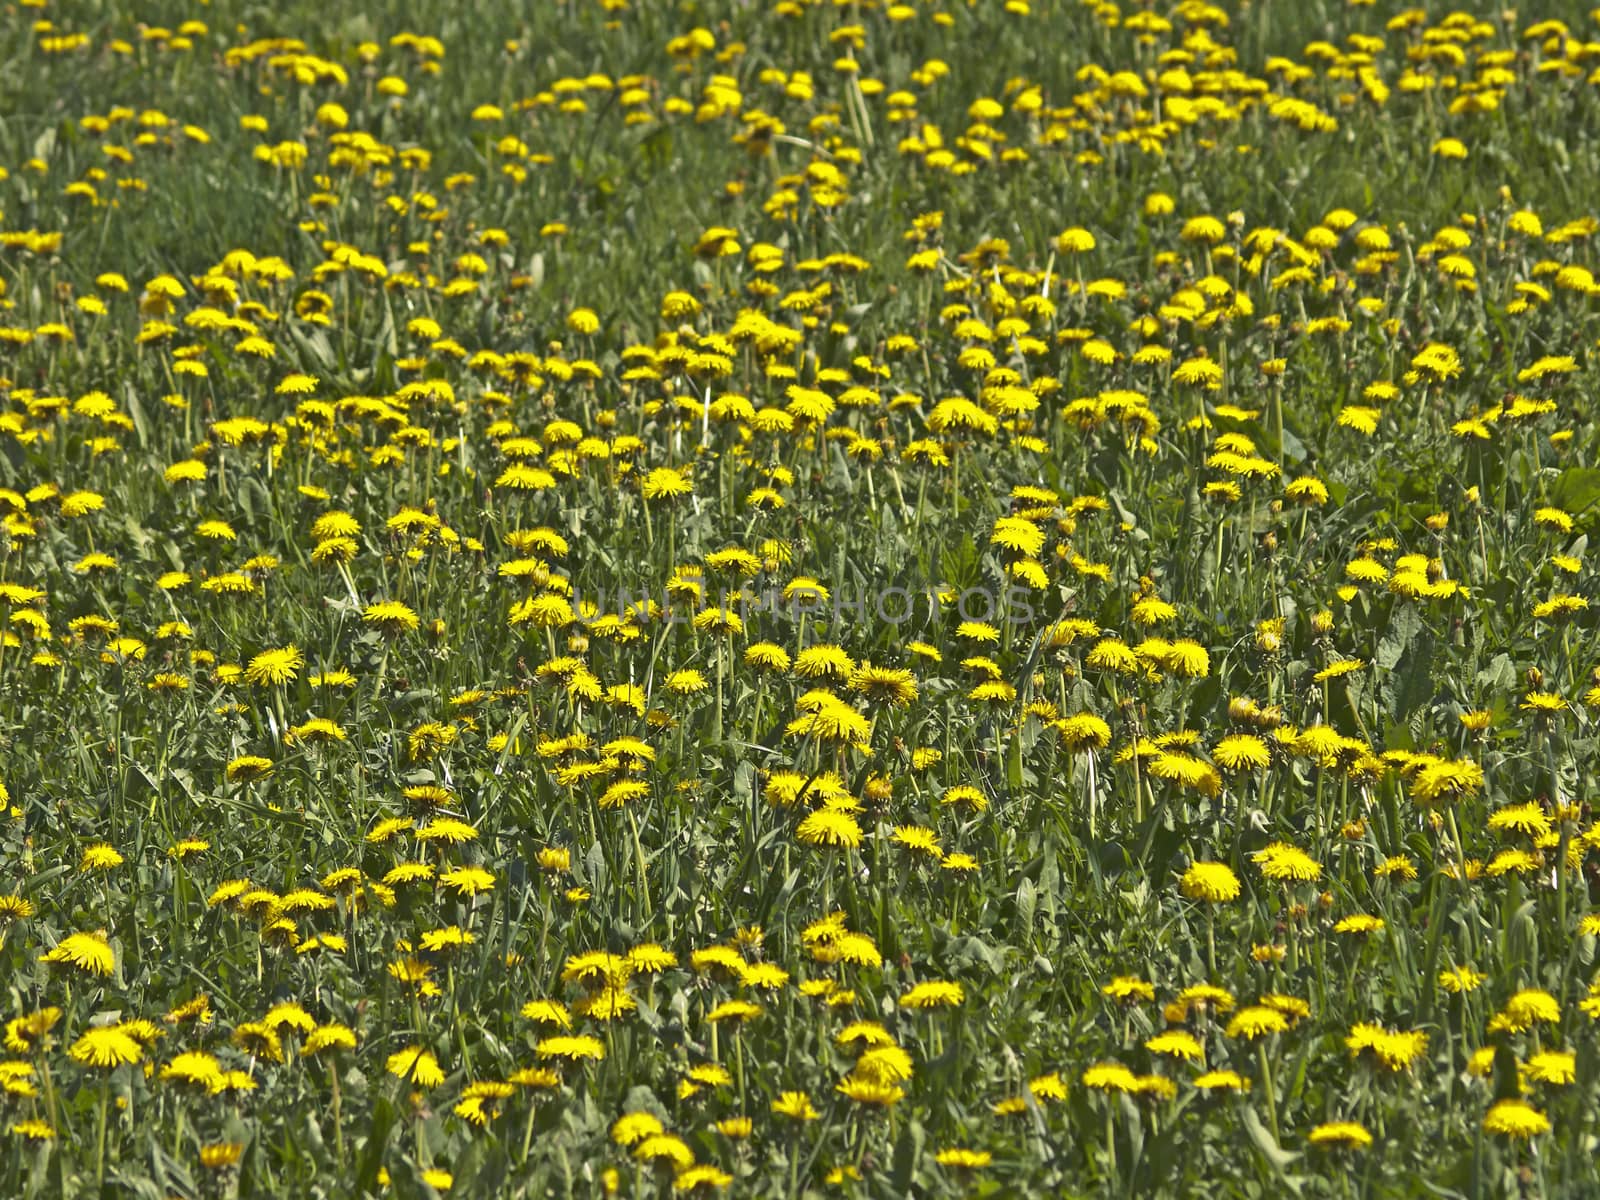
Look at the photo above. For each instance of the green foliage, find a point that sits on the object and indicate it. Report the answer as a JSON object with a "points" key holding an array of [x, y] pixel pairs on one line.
{"points": [[797, 535]]}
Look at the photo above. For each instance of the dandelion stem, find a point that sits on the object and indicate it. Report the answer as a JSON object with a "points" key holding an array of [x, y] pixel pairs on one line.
{"points": [[100, 1137], [338, 1123], [1566, 832], [1111, 1141], [1269, 1097], [527, 1131]]}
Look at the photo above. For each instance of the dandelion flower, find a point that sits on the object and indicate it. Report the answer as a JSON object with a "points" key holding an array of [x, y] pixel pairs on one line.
{"points": [[218, 1156], [1257, 1021], [574, 1048], [1222, 1081], [89, 952], [100, 857], [275, 666], [1347, 1134], [1285, 863], [107, 1046], [392, 617], [933, 993], [415, 1065], [1213, 882], [1241, 752], [1461, 979], [1176, 1043], [1515, 1119], [796, 1105], [963, 1159]]}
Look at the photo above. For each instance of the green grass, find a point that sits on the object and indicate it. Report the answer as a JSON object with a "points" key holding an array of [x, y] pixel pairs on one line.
{"points": [[1188, 589]]}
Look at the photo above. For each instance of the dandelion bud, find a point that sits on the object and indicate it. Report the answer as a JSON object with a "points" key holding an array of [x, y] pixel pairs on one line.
{"points": [[1269, 641]]}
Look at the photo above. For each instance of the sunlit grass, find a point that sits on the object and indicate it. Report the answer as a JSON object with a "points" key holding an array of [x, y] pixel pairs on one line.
{"points": [[797, 599]]}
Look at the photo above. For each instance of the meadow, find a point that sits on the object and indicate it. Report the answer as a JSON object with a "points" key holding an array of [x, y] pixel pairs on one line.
{"points": [[777, 598]]}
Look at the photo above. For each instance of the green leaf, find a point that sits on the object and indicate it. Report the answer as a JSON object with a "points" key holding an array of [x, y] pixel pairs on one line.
{"points": [[906, 1153], [370, 1158], [970, 950], [959, 563], [1499, 676], [1027, 902], [1411, 683], [1273, 1154], [1577, 490], [481, 1171], [1404, 624]]}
